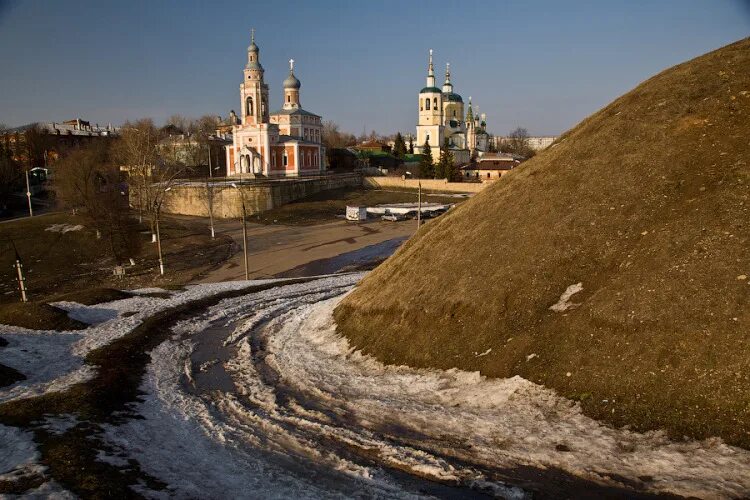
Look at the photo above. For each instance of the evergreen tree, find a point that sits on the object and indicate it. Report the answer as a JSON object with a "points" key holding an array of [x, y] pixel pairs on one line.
{"points": [[411, 146], [399, 147], [426, 167], [445, 168]]}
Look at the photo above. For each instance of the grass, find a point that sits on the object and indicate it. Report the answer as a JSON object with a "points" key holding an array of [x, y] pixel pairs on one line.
{"points": [[37, 316], [327, 205], [57, 263], [71, 457], [647, 204]]}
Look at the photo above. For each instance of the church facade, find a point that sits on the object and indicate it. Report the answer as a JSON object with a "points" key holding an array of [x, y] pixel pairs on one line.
{"points": [[284, 143], [441, 116]]}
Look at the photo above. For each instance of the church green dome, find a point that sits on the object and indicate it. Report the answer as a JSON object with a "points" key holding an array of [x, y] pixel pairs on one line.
{"points": [[430, 90], [452, 97], [292, 82]]}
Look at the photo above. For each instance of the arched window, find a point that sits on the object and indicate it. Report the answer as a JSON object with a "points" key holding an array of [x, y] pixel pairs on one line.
{"points": [[427, 104], [288, 98], [263, 107], [454, 113], [249, 106], [285, 159], [434, 103]]}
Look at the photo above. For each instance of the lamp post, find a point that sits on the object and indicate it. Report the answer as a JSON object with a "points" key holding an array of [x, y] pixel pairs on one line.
{"points": [[419, 202], [210, 193], [244, 229], [158, 234], [28, 194]]}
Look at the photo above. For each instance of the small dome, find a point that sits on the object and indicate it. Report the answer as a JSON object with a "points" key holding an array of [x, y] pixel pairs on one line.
{"points": [[292, 82], [252, 47]]}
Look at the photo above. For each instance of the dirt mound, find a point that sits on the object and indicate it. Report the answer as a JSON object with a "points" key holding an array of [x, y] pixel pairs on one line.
{"points": [[641, 213]]}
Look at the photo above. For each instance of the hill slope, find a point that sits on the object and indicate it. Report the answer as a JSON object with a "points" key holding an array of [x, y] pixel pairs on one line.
{"points": [[646, 203]]}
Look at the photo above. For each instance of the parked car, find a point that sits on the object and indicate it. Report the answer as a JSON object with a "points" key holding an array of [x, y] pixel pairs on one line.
{"points": [[393, 217]]}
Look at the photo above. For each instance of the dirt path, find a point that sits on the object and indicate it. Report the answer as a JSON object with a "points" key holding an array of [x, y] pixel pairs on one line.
{"points": [[274, 248]]}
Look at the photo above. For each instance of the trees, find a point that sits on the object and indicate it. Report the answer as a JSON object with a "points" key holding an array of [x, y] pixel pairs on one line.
{"points": [[426, 167], [10, 174], [445, 168], [399, 147], [411, 145], [151, 171], [333, 138], [518, 143], [89, 179]]}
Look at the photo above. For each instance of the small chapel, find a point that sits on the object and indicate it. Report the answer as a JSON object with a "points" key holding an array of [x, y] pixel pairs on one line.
{"points": [[284, 143]]}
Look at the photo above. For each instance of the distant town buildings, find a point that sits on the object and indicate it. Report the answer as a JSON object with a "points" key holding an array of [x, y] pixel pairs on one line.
{"points": [[287, 142], [536, 143], [441, 116], [38, 144]]}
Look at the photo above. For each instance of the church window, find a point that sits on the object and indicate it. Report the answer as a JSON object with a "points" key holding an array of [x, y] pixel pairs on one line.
{"points": [[427, 104], [273, 159], [285, 159], [454, 113], [434, 103], [288, 98], [249, 106]]}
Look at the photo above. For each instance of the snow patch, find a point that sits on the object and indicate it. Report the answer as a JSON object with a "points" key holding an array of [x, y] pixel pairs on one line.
{"points": [[564, 303], [63, 228]]}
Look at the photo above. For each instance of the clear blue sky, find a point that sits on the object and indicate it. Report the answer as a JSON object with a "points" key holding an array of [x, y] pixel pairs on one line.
{"points": [[543, 65]]}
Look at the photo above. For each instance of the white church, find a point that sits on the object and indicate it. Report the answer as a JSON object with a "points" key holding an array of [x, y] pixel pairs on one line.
{"points": [[441, 115]]}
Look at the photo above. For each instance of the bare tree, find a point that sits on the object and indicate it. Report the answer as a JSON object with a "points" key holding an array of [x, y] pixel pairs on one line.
{"points": [[152, 170], [88, 179]]}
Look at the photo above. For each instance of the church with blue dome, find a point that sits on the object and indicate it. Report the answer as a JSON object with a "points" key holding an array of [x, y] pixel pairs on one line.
{"points": [[283, 143], [441, 116]]}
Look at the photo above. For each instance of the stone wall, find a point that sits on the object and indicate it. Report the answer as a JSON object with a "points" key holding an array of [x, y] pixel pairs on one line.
{"points": [[259, 195], [429, 184]]}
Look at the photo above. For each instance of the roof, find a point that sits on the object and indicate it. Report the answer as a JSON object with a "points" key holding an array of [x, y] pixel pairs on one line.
{"points": [[70, 127], [295, 111], [292, 82], [452, 97], [430, 90]]}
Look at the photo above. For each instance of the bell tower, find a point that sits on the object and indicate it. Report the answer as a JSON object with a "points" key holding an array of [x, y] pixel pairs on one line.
{"points": [[253, 90]]}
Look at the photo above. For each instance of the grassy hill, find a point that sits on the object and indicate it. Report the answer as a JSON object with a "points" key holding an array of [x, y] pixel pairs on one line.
{"points": [[646, 204]]}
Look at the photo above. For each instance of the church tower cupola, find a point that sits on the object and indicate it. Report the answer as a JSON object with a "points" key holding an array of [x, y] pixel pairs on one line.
{"points": [[253, 90], [291, 89], [430, 72], [448, 86]]}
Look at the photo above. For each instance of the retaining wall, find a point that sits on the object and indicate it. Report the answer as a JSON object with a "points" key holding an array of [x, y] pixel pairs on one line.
{"points": [[429, 184]]}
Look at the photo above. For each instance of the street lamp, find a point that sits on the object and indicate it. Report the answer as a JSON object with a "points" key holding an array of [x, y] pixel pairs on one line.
{"points": [[210, 193], [158, 235], [244, 229]]}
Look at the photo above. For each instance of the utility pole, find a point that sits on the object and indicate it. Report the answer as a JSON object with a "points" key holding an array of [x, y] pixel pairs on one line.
{"points": [[419, 206], [28, 194], [244, 238], [19, 275], [244, 229], [158, 244]]}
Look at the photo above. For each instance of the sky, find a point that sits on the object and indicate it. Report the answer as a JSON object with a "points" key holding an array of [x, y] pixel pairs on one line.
{"points": [[542, 65]]}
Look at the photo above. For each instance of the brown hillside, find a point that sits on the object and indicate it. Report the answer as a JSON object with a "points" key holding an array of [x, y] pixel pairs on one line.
{"points": [[647, 204]]}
